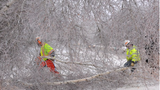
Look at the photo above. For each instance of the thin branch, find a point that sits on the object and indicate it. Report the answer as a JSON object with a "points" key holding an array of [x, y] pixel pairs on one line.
{"points": [[5, 8], [67, 62]]}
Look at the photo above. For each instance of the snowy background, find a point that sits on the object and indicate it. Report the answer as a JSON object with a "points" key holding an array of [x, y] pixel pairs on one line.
{"points": [[88, 38]]}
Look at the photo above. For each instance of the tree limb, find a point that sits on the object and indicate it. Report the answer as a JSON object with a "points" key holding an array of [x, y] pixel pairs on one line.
{"points": [[84, 79], [78, 80], [67, 62]]}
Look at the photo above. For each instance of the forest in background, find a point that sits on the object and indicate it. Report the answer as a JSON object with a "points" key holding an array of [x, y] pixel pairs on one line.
{"points": [[86, 33]]}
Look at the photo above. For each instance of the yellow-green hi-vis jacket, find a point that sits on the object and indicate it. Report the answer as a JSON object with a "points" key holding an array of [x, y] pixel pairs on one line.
{"points": [[46, 50], [133, 54]]}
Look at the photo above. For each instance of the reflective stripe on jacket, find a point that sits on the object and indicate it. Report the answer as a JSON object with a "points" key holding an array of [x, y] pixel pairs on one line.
{"points": [[133, 54], [46, 50]]}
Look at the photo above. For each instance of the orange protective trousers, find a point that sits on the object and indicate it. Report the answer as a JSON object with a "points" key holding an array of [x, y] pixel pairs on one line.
{"points": [[50, 65]]}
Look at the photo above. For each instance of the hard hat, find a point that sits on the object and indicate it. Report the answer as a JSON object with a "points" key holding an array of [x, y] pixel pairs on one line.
{"points": [[38, 40], [126, 42]]}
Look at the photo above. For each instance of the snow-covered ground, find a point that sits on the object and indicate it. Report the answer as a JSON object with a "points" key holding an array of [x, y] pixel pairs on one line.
{"points": [[118, 62], [154, 87]]}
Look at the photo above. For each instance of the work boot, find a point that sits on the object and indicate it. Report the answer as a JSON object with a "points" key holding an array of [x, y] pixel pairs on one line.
{"points": [[132, 70]]}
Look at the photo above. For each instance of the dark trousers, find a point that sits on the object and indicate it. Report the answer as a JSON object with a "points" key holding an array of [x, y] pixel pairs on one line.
{"points": [[128, 64]]}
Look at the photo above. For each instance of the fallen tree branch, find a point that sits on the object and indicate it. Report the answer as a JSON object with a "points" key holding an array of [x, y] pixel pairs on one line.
{"points": [[67, 62], [84, 79], [77, 80]]}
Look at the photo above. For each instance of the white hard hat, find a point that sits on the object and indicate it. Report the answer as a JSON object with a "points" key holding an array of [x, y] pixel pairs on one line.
{"points": [[37, 38], [126, 42]]}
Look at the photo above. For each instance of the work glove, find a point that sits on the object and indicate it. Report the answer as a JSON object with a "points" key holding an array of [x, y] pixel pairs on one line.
{"points": [[132, 64]]}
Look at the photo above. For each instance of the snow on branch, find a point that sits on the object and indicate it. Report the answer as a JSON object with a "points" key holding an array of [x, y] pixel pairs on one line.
{"points": [[77, 80], [84, 79], [5, 8], [67, 62]]}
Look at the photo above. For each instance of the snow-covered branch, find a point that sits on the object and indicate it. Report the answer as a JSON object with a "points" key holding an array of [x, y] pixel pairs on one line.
{"points": [[67, 62], [5, 8], [85, 79], [77, 80]]}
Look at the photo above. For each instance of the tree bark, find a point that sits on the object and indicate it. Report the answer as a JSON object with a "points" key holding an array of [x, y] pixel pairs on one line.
{"points": [[77, 80], [85, 79]]}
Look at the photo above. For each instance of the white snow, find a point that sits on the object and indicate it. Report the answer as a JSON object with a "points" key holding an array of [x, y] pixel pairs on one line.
{"points": [[154, 87]]}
